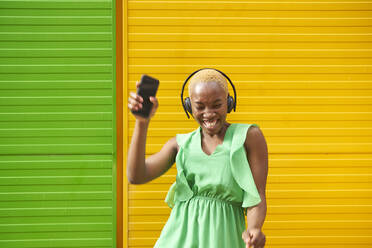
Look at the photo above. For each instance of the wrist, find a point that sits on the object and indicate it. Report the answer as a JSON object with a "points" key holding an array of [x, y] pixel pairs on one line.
{"points": [[143, 123]]}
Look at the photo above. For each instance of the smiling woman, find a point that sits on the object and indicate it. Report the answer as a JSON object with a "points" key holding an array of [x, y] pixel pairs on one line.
{"points": [[214, 185]]}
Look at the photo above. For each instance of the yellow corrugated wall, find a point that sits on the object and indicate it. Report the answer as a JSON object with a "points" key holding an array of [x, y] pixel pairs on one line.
{"points": [[302, 70]]}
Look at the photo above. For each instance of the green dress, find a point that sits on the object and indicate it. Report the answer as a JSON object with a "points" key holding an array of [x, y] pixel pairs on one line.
{"points": [[211, 193]]}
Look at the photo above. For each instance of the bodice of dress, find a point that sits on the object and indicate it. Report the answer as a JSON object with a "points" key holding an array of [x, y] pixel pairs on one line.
{"points": [[210, 175]]}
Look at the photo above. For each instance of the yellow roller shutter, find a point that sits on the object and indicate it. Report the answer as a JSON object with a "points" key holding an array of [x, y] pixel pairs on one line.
{"points": [[302, 70]]}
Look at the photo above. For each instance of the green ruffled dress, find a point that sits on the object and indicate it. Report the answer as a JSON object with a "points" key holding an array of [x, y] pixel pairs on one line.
{"points": [[211, 193]]}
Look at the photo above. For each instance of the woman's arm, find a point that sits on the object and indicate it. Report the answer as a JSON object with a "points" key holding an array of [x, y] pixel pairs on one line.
{"points": [[139, 169], [257, 156]]}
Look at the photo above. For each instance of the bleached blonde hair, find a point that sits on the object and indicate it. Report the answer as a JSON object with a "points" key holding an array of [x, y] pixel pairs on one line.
{"points": [[208, 76]]}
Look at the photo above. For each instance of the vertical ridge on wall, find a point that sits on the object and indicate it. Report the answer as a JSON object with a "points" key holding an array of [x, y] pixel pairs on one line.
{"points": [[57, 124], [302, 70]]}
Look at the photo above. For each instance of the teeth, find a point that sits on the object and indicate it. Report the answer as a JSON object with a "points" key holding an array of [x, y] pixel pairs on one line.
{"points": [[210, 124]]}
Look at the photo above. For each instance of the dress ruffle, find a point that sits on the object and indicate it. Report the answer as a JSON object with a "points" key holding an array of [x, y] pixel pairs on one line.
{"points": [[180, 189], [240, 168]]}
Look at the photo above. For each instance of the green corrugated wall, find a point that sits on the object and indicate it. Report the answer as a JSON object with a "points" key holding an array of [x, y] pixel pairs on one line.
{"points": [[57, 124]]}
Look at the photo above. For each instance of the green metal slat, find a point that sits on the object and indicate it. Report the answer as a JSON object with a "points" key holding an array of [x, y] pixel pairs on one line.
{"points": [[56, 149], [62, 132], [41, 189], [50, 116], [57, 36], [58, 243], [53, 196], [57, 68], [14, 18], [54, 100], [58, 227], [89, 59], [48, 88], [57, 44], [55, 53], [53, 29], [52, 172], [57, 4], [46, 76]]}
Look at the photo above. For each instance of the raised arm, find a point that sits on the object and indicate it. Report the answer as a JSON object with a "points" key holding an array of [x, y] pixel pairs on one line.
{"points": [[139, 169]]}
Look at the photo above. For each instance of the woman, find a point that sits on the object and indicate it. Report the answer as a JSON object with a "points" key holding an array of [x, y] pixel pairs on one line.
{"points": [[221, 172]]}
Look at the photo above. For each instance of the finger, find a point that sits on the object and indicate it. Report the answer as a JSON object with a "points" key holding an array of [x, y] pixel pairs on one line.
{"points": [[245, 236], [134, 103], [135, 96], [154, 101], [137, 84]]}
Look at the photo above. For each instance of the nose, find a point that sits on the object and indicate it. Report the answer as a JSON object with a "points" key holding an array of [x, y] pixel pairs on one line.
{"points": [[208, 113]]}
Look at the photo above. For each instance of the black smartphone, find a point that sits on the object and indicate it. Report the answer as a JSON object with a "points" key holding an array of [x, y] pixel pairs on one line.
{"points": [[147, 87]]}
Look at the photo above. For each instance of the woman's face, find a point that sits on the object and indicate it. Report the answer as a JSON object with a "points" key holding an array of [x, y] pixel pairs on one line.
{"points": [[209, 106]]}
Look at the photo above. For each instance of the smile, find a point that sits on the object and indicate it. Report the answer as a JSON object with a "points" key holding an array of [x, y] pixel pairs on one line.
{"points": [[210, 123]]}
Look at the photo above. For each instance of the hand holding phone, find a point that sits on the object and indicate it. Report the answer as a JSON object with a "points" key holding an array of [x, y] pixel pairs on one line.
{"points": [[148, 87]]}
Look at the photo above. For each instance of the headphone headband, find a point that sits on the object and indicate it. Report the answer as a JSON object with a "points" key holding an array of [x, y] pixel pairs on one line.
{"points": [[192, 74]]}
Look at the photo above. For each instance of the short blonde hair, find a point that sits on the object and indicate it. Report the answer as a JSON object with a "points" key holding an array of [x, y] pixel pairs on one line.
{"points": [[208, 76]]}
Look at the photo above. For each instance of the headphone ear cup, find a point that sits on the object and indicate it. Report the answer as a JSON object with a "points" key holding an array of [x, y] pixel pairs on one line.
{"points": [[230, 104], [187, 104]]}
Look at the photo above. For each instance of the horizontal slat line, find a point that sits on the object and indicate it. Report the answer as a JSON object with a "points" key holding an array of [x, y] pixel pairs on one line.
{"points": [[266, 221], [61, 177], [282, 112], [274, 34], [56, 65], [64, 161], [89, 81], [240, 2], [232, 50], [321, 159], [38, 240], [88, 128], [57, 224], [250, 18], [57, 49], [54, 97], [321, 175], [67, 1], [102, 144], [1, 209], [324, 205], [320, 236], [281, 97], [62, 113], [292, 236], [321, 66], [47, 41], [64, 192], [263, 81], [276, 190], [274, 206], [55, 32], [311, 221], [56, 17]]}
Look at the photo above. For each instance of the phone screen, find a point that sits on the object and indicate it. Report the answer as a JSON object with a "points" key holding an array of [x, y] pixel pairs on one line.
{"points": [[148, 87]]}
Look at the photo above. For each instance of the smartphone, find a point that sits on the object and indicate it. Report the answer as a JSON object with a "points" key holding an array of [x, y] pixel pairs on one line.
{"points": [[147, 87]]}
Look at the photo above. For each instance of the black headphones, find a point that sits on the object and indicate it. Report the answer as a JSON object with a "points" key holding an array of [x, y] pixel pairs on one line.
{"points": [[186, 104]]}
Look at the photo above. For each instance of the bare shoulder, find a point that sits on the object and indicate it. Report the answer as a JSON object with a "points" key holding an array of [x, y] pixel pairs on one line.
{"points": [[255, 138], [172, 144]]}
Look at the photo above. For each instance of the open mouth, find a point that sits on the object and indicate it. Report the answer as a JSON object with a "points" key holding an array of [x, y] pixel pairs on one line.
{"points": [[210, 123]]}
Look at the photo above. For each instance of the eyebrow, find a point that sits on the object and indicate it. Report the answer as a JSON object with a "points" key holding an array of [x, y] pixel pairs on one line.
{"points": [[216, 101]]}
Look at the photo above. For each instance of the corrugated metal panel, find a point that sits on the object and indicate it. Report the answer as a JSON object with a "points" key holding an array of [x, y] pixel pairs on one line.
{"points": [[57, 124], [303, 73]]}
